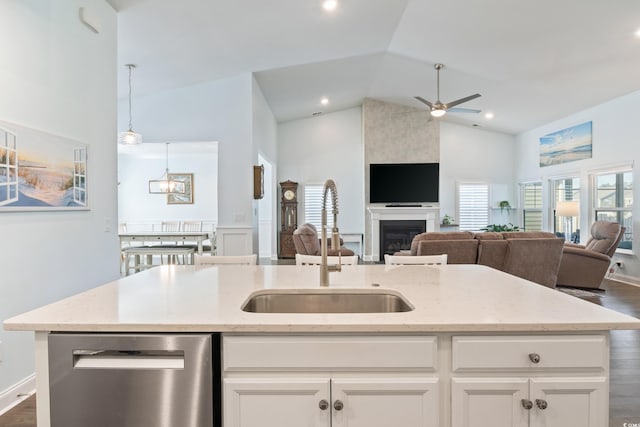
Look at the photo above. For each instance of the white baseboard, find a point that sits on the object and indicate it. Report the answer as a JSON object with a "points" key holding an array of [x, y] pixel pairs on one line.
{"points": [[626, 279], [17, 393]]}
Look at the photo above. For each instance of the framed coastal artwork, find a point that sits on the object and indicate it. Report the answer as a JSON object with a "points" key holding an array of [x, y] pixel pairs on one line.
{"points": [[41, 171], [566, 145], [182, 199]]}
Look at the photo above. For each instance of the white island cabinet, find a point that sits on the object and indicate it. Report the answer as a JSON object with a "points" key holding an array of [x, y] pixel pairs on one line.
{"points": [[479, 347], [335, 381], [522, 381]]}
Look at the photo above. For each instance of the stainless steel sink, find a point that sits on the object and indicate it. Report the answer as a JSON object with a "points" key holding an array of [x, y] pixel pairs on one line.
{"points": [[326, 301]]}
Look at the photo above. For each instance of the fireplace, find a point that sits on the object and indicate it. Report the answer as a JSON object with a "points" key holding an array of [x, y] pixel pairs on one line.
{"points": [[396, 235]]}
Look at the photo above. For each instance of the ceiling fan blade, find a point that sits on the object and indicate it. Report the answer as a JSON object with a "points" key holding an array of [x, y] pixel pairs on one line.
{"points": [[424, 101], [461, 100], [463, 110]]}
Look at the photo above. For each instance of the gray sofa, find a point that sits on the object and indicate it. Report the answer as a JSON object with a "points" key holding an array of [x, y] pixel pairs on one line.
{"points": [[533, 256]]}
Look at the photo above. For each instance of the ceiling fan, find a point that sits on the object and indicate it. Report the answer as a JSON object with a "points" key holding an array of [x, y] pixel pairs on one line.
{"points": [[438, 109]]}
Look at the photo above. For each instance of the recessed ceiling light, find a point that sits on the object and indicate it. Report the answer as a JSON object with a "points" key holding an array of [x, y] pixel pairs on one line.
{"points": [[637, 33], [324, 100], [489, 115], [330, 5]]}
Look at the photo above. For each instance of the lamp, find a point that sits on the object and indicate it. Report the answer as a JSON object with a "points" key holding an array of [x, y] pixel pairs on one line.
{"points": [[129, 137], [164, 185], [568, 209]]}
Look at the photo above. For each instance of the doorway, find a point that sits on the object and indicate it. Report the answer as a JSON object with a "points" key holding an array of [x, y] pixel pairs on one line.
{"points": [[266, 210]]}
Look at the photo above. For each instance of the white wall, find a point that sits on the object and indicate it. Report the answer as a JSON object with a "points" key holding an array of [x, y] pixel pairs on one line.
{"points": [[265, 143], [138, 164], [212, 111], [59, 77], [233, 112], [615, 143], [327, 146], [472, 154]]}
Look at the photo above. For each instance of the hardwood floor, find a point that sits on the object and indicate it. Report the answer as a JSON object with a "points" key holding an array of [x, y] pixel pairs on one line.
{"points": [[624, 401], [23, 415], [624, 410]]}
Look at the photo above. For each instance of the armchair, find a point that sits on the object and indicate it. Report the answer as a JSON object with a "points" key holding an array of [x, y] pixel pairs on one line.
{"points": [[306, 242], [585, 266]]}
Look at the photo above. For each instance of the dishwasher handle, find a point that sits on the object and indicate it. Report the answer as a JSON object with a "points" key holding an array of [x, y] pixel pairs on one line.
{"points": [[124, 359]]}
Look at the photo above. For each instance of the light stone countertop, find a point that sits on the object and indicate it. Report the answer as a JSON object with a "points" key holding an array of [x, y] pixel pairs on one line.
{"points": [[449, 298]]}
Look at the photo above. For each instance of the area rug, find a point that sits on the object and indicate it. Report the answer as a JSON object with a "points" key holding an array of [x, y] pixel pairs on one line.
{"points": [[580, 293]]}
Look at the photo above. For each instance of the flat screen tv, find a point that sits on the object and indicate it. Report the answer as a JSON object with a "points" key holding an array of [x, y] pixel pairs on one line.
{"points": [[404, 183]]}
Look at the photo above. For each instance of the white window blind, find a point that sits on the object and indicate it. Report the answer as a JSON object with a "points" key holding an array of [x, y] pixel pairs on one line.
{"points": [[473, 206], [313, 206], [532, 206]]}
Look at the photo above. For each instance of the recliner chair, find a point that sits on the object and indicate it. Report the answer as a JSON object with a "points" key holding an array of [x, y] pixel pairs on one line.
{"points": [[306, 242], [585, 266]]}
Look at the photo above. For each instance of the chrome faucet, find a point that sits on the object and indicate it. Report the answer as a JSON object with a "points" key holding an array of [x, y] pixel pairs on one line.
{"points": [[325, 269]]}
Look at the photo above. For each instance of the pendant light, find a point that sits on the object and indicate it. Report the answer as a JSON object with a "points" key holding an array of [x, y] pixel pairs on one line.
{"points": [[129, 137], [164, 185]]}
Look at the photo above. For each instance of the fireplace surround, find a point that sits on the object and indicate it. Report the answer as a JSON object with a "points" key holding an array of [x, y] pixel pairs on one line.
{"points": [[428, 214]]}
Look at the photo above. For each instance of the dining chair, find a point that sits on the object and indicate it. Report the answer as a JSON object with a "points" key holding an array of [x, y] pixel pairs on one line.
{"points": [[191, 225], [169, 226], [226, 259], [415, 259], [331, 260]]}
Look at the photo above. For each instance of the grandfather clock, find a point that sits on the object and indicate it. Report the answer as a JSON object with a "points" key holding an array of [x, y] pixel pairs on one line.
{"points": [[288, 218]]}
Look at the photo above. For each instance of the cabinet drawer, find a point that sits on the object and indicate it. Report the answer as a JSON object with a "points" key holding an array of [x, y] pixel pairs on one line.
{"points": [[517, 352], [246, 353]]}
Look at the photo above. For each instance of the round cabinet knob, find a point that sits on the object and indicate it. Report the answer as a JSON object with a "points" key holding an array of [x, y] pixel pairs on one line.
{"points": [[541, 404], [534, 357], [338, 405], [527, 404], [323, 404]]}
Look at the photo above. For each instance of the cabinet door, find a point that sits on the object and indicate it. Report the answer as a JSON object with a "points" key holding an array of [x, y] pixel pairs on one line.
{"points": [[490, 402], [562, 402], [278, 402], [384, 402]]}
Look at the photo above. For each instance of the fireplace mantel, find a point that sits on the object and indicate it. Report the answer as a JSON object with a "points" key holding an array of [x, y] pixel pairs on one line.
{"points": [[430, 214]]}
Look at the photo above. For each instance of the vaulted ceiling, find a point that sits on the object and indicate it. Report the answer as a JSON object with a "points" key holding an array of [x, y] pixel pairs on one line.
{"points": [[532, 61]]}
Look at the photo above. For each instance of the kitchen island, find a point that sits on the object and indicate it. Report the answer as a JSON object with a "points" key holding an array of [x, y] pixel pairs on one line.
{"points": [[478, 343]]}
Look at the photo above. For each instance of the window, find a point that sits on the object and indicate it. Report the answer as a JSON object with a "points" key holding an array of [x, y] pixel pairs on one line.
{"points": [[566, 208], [613, 201], [80, 176], [532, 206], [473, 206], [313, 207], [8, 168]]}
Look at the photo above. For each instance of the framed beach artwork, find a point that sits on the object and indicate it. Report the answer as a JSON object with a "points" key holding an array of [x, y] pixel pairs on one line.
{"points": [[182, 199], [567, 145], [41, 171]]}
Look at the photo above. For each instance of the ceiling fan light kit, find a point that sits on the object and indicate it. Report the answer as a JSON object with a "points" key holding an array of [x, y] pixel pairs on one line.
{"points": [[438, 109], [438, 112]]}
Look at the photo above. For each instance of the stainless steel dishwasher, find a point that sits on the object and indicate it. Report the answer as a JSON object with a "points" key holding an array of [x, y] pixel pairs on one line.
{"points": [[122, 380]]}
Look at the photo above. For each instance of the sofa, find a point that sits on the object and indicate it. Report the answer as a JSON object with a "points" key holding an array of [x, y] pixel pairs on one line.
{"points": [[585, 266], [534, 256], [307, 242]]}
